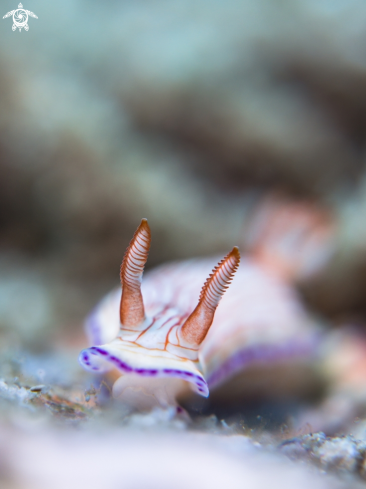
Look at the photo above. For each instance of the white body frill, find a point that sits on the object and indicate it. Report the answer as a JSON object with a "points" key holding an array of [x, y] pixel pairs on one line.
{"points": [[144, 394]]}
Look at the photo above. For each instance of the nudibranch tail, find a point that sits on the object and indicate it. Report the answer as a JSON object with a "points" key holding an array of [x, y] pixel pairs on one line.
{"points": [[132, 311], [292, 239], [194, 330]]}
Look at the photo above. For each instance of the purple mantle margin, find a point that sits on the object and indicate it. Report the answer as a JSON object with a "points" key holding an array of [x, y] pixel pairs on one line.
{"points": [[262, 355], [85, 359]]}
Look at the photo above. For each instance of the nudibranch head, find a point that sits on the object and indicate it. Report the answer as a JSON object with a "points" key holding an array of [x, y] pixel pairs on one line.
{"points": [[162, 341]]}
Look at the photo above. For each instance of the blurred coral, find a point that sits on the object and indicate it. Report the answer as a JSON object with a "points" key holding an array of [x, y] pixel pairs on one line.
{"points": [[183, 113]]}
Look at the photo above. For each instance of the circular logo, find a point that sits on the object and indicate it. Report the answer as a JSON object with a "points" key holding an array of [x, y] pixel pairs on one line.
{"points": [[20, 18]]}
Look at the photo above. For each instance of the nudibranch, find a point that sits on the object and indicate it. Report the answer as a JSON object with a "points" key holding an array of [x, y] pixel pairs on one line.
{"points": [[261, 340], [156, 343]]}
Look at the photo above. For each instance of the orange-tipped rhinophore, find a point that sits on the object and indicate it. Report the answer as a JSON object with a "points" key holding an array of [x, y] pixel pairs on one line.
{"points": [[197, 325], [132, 311]]}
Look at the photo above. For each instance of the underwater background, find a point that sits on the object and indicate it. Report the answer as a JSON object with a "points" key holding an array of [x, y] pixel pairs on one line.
{"points": [[191, 114]]}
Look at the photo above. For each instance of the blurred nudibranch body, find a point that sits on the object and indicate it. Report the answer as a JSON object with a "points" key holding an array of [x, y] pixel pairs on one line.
{"points": [[161, 340]]}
